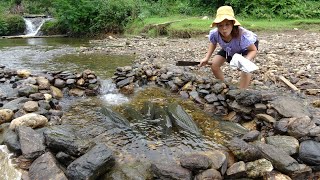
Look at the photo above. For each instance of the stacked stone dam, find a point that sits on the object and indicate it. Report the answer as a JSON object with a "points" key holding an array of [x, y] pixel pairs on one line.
{"points": [[40, 94], [283, 135]]}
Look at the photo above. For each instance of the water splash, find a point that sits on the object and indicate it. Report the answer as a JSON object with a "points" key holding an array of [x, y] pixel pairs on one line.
{"points": [[33, 25], [8, 171], [110, 94]]}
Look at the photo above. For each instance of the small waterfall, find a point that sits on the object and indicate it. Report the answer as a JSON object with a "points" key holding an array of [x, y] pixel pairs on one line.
{"points": [[110, 94], [33, 25]]}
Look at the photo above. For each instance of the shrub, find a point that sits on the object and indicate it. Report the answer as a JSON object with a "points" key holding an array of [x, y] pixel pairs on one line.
{"points": [[53, 27], [11, 25], [83, 17]]}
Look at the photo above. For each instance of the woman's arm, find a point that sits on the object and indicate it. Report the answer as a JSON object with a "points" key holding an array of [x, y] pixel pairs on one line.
{"points": [[252, 52], [211, 49]]}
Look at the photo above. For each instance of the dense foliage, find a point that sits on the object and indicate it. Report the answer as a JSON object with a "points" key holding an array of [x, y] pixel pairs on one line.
{"points": [[11, 25], [91, 17]]}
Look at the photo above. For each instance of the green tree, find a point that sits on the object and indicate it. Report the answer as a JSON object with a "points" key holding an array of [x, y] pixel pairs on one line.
{"points": [[87, 17]]}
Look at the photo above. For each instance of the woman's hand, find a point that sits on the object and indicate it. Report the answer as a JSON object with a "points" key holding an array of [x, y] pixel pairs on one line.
{"points": [[204, 61]]}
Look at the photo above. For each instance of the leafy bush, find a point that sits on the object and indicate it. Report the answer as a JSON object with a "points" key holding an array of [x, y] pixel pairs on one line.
{"points": [[53, 27], [291, 9], [84, 17], [11, 25]]}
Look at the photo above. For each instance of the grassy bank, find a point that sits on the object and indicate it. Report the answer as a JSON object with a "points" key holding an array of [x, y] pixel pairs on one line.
{"points": [[184, 26]]}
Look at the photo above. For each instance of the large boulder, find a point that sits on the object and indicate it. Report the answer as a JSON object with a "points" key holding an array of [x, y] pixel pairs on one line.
{"points": [[46, 167], [96, 162], [31, 142]]}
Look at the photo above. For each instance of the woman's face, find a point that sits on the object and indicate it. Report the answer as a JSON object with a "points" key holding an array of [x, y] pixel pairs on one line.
{"points": [[225, 27]]}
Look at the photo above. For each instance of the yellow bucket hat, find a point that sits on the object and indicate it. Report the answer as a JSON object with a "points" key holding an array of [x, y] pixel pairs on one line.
{"points": [[225, 12]]}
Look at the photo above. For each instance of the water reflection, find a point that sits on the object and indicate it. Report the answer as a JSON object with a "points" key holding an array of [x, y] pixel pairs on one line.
{"points": [[56, 42], [36, 41], [103, 65]]}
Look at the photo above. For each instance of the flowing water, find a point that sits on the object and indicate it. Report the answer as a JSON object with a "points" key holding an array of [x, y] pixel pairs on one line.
{"points": [[51, 54], [8, 171], [33, 25]]}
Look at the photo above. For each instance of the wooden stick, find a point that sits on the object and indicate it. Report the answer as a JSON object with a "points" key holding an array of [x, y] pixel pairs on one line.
{"points": [[288, 83]]}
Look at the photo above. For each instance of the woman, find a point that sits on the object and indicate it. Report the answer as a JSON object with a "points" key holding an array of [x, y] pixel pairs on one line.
{"points": [[233, 39]]}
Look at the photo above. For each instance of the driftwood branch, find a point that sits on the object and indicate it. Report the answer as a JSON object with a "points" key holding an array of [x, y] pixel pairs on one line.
{"points": [[288, 83]]}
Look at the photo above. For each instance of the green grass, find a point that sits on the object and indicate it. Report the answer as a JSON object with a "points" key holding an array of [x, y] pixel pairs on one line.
{"points": [[184, 26], [281, 24]]}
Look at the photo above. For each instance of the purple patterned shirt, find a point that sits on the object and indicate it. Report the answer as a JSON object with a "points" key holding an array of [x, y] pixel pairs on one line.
{"points": [[236, 45]]}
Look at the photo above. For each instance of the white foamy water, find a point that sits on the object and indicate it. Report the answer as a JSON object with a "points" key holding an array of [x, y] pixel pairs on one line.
{"points": [[115, 99], [33, 25], [110, 94], [8, 171]]}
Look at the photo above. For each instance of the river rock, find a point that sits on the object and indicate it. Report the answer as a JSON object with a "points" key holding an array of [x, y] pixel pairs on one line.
{"points": [[170, 171], [62, 138], [30, 106], [219, 160], [37, 96], [258, 168], [76, 92], [195, 162], [46, 167], [251, 136], [243, 151], [289, 107], [89, 166], [56, 92], [32, 145], [43, 83], [137, 169], [16, 104], [300, 127], [266, 118], [309, 152], [248, 97], [59, 83], [64, 158], [27, 90], [31, 119], [11, 140], [236, 170], [282, 161], [4, 128], [6, 115], [275, 175], [288, 144], [208, 174], [23, 73]]}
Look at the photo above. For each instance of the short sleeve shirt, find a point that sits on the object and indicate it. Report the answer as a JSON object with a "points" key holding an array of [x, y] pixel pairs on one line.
{"points": [[236, 45]]}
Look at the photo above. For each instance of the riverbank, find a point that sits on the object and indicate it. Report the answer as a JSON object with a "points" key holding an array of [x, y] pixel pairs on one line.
{"points": [[292, 54]]}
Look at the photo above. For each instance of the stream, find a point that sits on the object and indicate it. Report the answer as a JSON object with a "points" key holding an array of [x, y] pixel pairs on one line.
{"points": [[62, 54]]}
